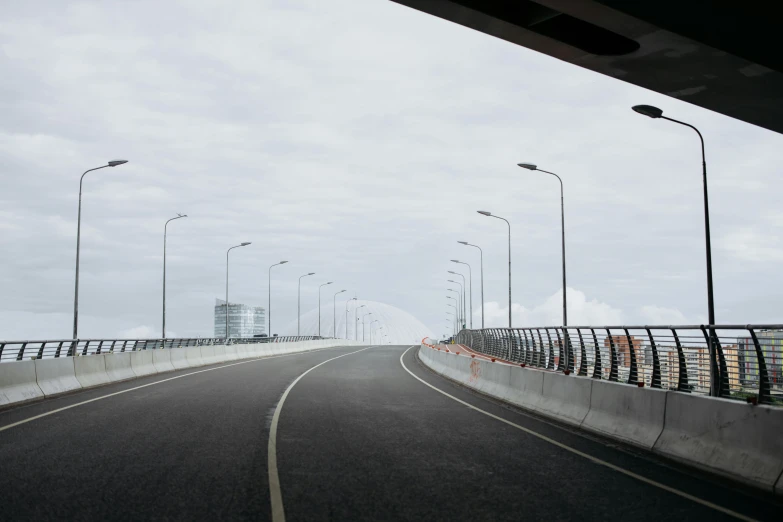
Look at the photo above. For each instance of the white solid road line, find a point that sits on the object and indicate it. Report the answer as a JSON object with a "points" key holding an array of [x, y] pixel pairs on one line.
{"points": [[58, 410], [581, 453], [275, 495]]}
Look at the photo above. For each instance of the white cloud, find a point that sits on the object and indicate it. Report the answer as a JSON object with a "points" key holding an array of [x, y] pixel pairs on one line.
{"points": [[141, 332], [659, 315], [550, 312]]}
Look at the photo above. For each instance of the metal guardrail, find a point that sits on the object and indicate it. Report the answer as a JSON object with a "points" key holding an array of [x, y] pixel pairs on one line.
{"points": [[742, 362], [20, 350]]}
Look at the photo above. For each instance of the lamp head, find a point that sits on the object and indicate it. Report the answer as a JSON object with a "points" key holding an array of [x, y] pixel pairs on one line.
{"points": [[245, 243], [311, 273], [462, 242], [181, 215], [329, 283], [114, 163], [455, 273], [341, 291], [455, 261], [648, 110], [484, 212], [282, 262], [528, 166]]}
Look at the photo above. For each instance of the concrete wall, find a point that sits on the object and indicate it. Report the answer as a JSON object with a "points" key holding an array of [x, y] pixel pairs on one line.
{"points": [[730, 438], [22, 381]]}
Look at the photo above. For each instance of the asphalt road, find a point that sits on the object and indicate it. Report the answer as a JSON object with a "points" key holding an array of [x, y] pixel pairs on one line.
{"points": [[358, 438]]}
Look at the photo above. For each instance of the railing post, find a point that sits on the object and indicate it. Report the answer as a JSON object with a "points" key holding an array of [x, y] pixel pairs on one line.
{"points": [[550, 360], [84, 350], [655, 382], [597, 369], [718, 372], [612, 357], [633, 374], [582, 354], [560, 355], [20, 354], [765, 392]]}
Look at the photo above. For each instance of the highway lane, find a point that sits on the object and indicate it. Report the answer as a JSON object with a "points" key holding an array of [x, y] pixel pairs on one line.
{"points": [[192, 448], [358, 438]]}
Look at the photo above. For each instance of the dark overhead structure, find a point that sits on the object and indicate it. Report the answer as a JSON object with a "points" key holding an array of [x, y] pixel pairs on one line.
{"points": [[717, 54]]}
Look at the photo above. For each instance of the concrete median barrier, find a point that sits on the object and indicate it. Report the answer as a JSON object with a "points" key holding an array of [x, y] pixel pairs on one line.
{"points": [[142, 363], [161, 359], [56, 375], [565, 397], [118, 366], [179, 358], [631, 414], [220, 354], [90, 370], [231, 353], [193, 355], [527, 387], [731, 438], [208, 355], [18, 382]]}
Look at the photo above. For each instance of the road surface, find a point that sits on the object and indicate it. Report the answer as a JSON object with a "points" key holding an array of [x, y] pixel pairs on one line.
{"points": [[356, 437]]}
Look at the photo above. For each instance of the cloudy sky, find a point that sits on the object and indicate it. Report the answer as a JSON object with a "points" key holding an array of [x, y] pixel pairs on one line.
{"points": [[356, 139]]}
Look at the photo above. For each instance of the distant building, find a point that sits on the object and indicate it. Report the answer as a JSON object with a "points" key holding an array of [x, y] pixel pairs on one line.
{"points": [[243, 320], [771, 344]]}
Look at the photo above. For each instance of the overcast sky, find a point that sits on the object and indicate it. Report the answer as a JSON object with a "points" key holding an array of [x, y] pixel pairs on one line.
{"points": [[356, 139]]}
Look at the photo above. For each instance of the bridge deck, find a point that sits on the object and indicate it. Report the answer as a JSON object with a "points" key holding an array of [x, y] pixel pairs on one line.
{"points": [[358, 438]]}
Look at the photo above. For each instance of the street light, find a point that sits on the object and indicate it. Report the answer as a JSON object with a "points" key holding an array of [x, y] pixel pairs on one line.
{"points": [[165, 228], [470, 275], [464, 293], [481, 253], [299, 302], [655, 113], [530, 166], [372, 323], [364, 324], [356, 320], [334, 313], [485, 213], [269, 303], [346, 316], [112, 163], [227, 252], [459, 308], [319, 306]]}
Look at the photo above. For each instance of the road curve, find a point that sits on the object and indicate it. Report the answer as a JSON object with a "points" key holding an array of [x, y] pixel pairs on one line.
{"points": [[357, 438]]}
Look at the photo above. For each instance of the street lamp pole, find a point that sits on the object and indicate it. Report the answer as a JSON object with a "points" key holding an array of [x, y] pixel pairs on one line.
{"points": [[364, 324], [227, 252], [269, 297], [165, 231], [655, 112], [531, 166], [334, 313], [355, 321], [464, 292], [319, 306], [485, 213], [112, 163], [299, 302], [346, 316], [481, 253], [470, 280], [459, 302]]}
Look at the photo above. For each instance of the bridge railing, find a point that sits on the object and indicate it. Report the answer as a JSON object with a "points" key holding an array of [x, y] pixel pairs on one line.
{"points": [[733, 361], [20, 350]]}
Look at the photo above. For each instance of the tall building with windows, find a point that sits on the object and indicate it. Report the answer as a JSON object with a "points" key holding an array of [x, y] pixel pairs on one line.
{"points": [[243, 320]]}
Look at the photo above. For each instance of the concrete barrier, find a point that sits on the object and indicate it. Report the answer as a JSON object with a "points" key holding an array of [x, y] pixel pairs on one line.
{"points": [[565, 397], [193, 355], [18, 382], [56, 375], [231, 353], [161, 359], [90, 370], [631, 414], [179, 358], [220, 354], [142, 363], [118, 366], [527, 387], [208, 355], [731, 438]]}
